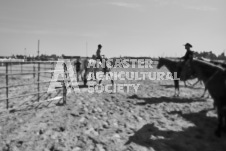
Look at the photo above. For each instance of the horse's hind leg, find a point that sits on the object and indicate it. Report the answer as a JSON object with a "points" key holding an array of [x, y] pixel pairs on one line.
{"points": [[185, 84], [85, 81], [208, 95], [203, 93], [85, 78], [102, 78], [220, 122], [100, 81]]}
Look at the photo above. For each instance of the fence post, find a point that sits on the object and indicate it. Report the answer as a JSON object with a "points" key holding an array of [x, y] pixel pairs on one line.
{"points": [[38, 79], [21, 64], [45, 69], [64, 85], [52, 68], [33, 70], [64, 93], [7, 89], [10, 66]]}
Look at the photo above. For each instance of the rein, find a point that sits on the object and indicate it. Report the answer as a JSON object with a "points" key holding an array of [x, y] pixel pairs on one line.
{"points": [[211, 77]]}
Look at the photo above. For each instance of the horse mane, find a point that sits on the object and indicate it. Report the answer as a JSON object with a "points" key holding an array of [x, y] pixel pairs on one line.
{"points": [[218, 63], [214, 62], [205, 69], [171, 60], [170, 64], [210, 65]]}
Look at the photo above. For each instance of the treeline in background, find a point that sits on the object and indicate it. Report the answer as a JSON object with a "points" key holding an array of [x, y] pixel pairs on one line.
{"points": [[44, 57]]}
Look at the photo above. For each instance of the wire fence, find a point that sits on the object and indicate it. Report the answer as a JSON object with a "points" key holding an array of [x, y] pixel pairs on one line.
{"points": [[37, 69], [22, 68]]}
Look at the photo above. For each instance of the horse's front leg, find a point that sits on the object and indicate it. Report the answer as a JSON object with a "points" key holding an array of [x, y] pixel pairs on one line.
{"points": [[224, 119], [85, 77], [177, 91], [95, 75], [81, 73], [112, 81], [100, 80], [77, 72]]}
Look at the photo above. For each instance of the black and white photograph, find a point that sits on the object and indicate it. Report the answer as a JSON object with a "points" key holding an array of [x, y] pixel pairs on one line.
{"points": [[112, 75]]}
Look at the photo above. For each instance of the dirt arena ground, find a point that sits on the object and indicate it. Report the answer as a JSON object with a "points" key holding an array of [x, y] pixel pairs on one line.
{"points": [[149, 120]]}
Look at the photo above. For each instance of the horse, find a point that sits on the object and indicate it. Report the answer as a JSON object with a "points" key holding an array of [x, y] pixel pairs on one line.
{"points": [[223, 65], [104, 67], [214, 79], [77, 68], [172, 66]]}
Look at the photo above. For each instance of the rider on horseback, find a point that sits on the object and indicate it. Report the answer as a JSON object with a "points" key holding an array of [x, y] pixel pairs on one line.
{"points": [[186, 61], [189, 54], [98, 56]]}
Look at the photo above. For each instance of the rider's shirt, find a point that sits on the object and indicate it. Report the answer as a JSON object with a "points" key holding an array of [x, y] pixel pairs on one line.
{"points": [[188, 55], [98, 53]]}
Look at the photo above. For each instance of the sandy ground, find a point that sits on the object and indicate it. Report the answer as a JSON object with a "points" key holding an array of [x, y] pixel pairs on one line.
{"points": [[149, 120]]}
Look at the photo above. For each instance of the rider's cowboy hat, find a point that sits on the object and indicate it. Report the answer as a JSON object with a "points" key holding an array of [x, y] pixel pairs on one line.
{"points": [[188, 45], [99, 45]]}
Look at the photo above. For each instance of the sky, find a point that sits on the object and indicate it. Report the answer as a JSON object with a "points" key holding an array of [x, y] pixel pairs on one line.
{"points": [[123, 27]]}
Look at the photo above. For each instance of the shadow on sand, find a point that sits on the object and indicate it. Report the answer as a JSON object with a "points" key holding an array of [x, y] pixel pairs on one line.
{"points": [[156, 100], [83, 86], [198, 137], [188, 86]]}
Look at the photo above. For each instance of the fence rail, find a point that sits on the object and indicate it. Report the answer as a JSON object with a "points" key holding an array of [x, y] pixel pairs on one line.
{"points": [[36, 72]]}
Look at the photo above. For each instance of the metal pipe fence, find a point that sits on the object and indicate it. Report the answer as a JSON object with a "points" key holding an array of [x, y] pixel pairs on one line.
{"points": [[36, 72]]}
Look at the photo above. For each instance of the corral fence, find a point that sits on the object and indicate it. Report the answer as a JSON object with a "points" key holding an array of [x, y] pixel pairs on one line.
{"points": [[7, 69], [35, 70]]}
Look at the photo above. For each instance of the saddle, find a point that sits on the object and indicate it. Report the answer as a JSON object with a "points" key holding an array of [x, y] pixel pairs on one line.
{"points": [[94, 57], [186, 71]]}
